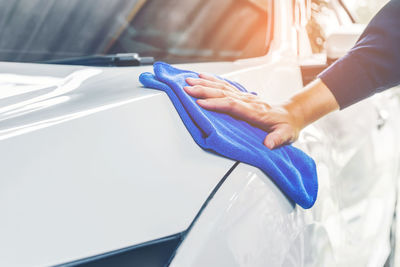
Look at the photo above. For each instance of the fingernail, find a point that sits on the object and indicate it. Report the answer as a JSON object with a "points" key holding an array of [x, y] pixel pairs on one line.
{"points": [[187, 88]]}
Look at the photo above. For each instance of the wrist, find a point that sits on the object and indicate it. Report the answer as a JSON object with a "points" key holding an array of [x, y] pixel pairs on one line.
{"points": [[314, 102], [295, 110]]}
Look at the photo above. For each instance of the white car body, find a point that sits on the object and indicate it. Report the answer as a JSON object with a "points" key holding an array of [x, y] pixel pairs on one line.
{"points": [[93, 163]]}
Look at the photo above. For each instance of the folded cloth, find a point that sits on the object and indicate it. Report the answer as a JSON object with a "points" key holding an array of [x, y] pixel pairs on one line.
{"points": [[290, 168]]}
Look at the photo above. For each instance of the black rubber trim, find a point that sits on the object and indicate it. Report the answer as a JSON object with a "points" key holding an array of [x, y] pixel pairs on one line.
{"points": [[152, 253], [213, 192]]}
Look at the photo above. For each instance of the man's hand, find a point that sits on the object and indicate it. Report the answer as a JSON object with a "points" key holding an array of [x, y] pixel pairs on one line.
{"points": [[282, 122]]}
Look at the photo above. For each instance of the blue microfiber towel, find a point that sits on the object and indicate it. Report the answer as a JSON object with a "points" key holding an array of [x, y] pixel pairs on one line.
{"points": [[290, 168]]}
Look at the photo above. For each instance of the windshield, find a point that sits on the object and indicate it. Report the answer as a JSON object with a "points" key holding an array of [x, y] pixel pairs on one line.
{"points": [[169, 30]]}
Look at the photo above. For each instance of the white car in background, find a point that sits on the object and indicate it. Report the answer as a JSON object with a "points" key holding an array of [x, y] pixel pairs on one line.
{"points": [[98, 171]]}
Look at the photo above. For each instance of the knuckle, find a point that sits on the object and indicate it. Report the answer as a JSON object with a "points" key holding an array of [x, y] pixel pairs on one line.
{"points": [[250, 96], [230, 100], [225, 83], [262, 108], [225, 87], [198, 87], [266, 117], [244, 98]]}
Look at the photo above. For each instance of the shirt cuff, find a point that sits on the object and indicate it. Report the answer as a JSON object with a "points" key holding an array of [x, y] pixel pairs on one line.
{"points": [[347, 81]]}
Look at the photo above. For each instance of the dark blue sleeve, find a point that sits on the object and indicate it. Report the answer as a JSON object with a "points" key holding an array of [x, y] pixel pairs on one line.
{"points": [[373, 64]]}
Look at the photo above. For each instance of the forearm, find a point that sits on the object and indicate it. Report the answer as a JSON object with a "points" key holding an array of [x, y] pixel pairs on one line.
{"points": [[373, 64], [314, 102], [282, 122]]}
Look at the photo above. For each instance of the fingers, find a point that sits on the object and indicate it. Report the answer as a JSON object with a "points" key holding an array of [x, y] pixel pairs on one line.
{"points": [[199, 91], [227, 86], [212, 78], [225, 104], [202, 92], [252, 110], [232, 106], [216, 83], [279, 137]]}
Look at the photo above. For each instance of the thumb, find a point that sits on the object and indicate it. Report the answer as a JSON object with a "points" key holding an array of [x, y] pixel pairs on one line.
{"points": [[277, 138]]}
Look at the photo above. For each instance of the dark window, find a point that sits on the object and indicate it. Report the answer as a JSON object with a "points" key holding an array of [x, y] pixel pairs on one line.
{"points": [[171, 30]]}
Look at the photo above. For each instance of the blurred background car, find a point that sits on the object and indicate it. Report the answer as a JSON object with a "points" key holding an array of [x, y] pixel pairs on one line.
{"points": [[99, 171]]}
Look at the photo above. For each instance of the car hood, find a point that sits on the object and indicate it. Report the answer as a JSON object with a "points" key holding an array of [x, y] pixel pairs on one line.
{"points": [[93, 162]]}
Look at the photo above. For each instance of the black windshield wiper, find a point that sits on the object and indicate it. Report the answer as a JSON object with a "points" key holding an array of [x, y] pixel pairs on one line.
{"points": [[119, 60]]}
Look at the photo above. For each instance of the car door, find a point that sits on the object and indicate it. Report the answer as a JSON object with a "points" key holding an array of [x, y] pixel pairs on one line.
{"points": [[357, 147]]}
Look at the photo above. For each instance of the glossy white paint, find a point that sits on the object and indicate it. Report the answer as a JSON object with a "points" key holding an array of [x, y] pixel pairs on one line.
{"points": [[110, 166], [72, 135], [92, 162], [250, 222]]}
